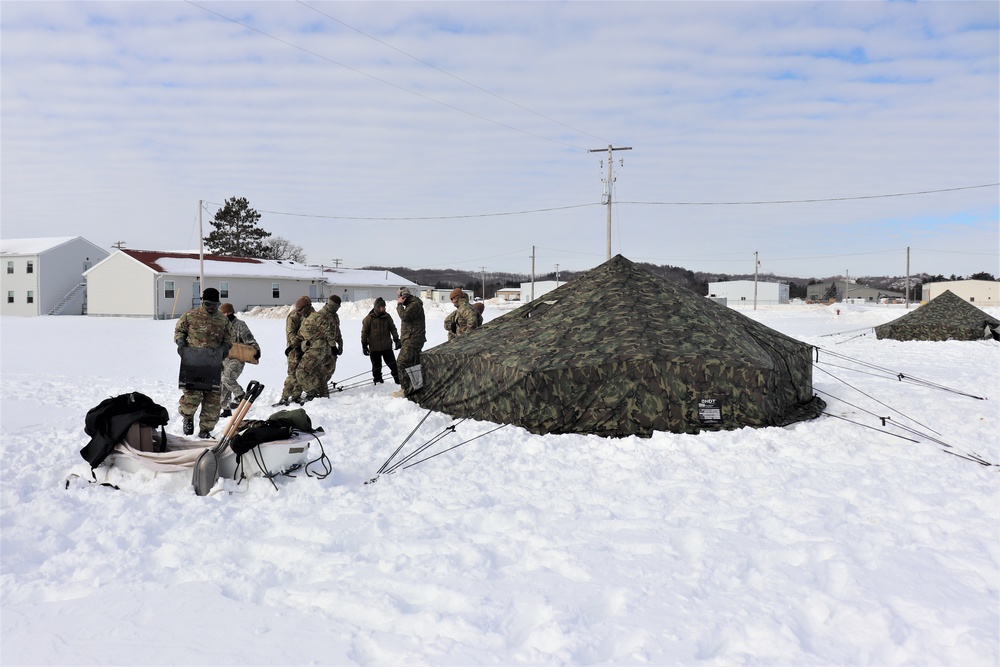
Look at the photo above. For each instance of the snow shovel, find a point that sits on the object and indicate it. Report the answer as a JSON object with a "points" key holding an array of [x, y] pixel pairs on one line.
{"points": [[206, 468]]}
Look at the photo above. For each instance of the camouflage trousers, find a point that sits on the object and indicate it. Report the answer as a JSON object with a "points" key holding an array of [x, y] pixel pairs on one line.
{"points": [[311, 372], [409, 355], [331, 369], [231, 388], [292, 389], [211, 406]]}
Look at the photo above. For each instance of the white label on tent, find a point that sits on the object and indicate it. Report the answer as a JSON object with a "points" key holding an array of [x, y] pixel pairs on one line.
{"points": [[710, 411]]}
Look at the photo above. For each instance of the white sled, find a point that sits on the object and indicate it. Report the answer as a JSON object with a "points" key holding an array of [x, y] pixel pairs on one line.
{"points": [[267, 459]]}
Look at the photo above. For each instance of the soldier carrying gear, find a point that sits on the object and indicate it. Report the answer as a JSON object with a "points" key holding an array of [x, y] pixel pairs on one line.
{"points": [[203, 327], [232, 390]]}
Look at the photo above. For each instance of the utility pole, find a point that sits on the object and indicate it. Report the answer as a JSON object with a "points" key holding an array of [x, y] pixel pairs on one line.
{"points": [[756, 264], [557, 275], [336, 263], [201, 250], [483, 269], [907, 290], [532, 273], [118, 244], [607, 184]]}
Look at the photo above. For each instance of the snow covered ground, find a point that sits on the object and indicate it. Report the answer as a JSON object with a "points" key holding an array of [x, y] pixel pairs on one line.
{"points": [[824, 543]]}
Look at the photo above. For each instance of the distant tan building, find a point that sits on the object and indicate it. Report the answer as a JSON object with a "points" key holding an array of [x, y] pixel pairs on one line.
{"points": [[978, 292], [851, 292], [509, 294]]}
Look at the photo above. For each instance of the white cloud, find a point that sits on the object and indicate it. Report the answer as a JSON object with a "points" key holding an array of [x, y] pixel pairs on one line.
{"points": [[118, 117]]}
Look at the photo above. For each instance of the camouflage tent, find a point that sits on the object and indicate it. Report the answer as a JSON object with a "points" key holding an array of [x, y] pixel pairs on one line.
{"points": [[946, 317], [620, 351]]}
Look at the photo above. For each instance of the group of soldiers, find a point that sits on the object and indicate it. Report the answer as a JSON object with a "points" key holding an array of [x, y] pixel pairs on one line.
{"points": [[313, 343]]}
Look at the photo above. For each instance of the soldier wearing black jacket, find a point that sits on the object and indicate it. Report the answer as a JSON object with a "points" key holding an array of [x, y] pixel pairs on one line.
{"points": [[378, 334]]}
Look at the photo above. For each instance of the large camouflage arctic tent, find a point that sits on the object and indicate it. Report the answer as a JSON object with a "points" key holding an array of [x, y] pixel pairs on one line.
{"points": [[945, 317], [617, 352]]}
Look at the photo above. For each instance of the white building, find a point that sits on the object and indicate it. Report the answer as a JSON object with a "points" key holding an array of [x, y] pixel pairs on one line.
{"points": [[977, 292], [440, 295], [741, 292], [163, 285], [44, 276], [540, 287]]}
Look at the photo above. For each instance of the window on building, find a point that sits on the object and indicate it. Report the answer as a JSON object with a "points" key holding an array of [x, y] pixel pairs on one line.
{"points": [[10, 267], [275, 291], [10, 296], [31, 296], [31, 266], [168, 289], [223, 290], [971, 299]]}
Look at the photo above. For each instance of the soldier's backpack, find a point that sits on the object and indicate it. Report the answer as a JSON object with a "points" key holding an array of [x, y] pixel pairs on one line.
{"points": [[297, 419], [110, 421]]}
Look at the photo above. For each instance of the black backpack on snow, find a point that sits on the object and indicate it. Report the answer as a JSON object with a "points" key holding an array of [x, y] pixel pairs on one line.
{"points": [[109, 422]]}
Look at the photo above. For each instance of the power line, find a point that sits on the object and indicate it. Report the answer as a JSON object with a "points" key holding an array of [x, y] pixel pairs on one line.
{"points": [[805, 201], [427, 217], [375, 78], [572, 206], [457, 78]]}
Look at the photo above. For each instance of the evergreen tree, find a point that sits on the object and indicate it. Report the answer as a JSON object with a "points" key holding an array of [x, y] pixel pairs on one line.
{"points": [[831, 292], [236, 232]]}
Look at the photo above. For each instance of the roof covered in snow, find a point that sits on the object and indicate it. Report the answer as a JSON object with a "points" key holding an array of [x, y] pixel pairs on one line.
{"points": [[34, 246], [217, 266]]}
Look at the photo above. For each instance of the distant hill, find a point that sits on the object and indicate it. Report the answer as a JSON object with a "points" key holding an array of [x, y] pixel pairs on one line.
{"points": [[696, 281]]}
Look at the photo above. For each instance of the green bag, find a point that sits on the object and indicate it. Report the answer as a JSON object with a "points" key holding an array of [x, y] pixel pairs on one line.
{"points": [[297, 419]]}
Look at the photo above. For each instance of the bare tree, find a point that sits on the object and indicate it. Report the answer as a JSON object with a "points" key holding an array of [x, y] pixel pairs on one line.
{"points": [[282, 248]]}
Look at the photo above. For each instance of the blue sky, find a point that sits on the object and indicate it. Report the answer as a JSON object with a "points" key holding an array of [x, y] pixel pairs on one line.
{"points": [[457, 134]]}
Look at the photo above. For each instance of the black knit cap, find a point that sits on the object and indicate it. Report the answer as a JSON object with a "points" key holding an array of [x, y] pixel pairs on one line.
{"points": [[210, 294]]}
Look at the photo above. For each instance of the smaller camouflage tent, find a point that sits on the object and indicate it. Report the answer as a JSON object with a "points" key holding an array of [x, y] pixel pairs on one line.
{"points": [[946, 317], [617, 352]]}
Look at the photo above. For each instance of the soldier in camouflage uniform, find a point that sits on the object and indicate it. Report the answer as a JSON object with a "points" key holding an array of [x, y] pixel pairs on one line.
{"points": [[203, 326], [232, 390], [291, 391], [464, 318], [330, 310], [413, 335], [318, 343]]}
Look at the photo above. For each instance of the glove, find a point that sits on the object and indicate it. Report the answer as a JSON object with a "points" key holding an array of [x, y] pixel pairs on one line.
{"points": [[181, 344], [288, 350], [225, 347], [398, 344], [340, 350], [256, 355], [364, 350]]}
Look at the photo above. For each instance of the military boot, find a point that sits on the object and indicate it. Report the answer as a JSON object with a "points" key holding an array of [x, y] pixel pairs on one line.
{"points": [[188, 424]]}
